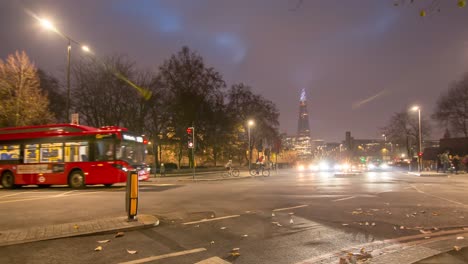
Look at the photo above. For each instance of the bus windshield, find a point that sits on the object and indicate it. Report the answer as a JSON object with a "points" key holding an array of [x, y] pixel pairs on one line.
{"points": [[132, 152]]}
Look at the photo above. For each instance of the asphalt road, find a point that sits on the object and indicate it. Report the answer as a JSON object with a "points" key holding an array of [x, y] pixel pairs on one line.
{"points": [[290, 217]]}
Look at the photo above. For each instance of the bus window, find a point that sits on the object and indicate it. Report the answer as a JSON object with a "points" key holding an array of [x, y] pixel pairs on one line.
{"points": [[52, 152], [105, 150], [31, 153], [76, 151], [9, 152]]}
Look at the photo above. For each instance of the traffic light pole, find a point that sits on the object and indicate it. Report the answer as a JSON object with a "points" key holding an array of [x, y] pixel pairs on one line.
{"points": [[193, 152]]}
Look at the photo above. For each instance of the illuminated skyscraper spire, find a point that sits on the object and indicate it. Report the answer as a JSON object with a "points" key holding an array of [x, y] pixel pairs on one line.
{"points": [[303, 124]]}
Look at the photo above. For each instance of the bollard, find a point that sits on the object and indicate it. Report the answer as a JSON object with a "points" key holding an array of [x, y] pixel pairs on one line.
{"points": [[131, 201]]}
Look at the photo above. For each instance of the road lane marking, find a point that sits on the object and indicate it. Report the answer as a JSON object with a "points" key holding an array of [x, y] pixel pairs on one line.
{"points": [[213, 260], [46, 197], [439, 197], [211, 219], [170, 255], [13, 194], [289, 208], [344, 199], [387, 243], [65, 193]]}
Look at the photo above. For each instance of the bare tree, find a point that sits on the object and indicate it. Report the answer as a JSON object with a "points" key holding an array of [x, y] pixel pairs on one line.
{"points": [[23, 102], [403, 129], [55, 93], [452, 108]]}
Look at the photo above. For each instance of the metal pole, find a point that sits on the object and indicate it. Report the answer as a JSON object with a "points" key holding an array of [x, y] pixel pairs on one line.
{"points": [[250, 154], [420, 140], [68, 80], [193, 151]]}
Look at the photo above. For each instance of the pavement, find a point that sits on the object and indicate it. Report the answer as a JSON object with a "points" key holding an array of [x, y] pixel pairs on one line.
{"points": [[92, 227]]}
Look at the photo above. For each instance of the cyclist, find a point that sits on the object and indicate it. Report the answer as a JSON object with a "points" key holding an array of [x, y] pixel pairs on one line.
{"points": [[228, 166], [260, 164]]}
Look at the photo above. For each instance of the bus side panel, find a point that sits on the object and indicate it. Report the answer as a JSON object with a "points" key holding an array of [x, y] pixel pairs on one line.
{"points": [[105, 173], [40, 174]]}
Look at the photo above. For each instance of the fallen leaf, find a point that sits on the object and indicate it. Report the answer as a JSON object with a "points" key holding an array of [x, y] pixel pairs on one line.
{"points": [[132, 251], [435, 213], [120, 234], [197, 226], [245, 235], [291, 221], [427, 237], [394, 228], [235, 252], [402, 227], [212, 242], [367, 223], [222, 228], [436, 228], [457, 248], [345, 224], [103, 241], [419, 205], [291, 213], [212, 216], [278, 224], [407, 215], [247, 212], [272, 214], [461, 217], [387, 204], [422, 212], [76, 226], [425, 232], [99, 248], [460, 238], [373, 224]]}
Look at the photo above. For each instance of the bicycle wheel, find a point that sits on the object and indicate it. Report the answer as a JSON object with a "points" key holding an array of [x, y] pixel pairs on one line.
{"points": [[266, 172], [235, 172], [253, 172], [225, 174]]}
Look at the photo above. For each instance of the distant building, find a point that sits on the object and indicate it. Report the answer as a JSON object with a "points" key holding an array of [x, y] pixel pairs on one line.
{"points": [[301, 142]]}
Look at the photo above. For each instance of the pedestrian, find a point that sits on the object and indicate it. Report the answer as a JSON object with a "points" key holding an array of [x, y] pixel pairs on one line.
{"points": [[445, 161], [162, 170], [439, 162], [456, 163]]}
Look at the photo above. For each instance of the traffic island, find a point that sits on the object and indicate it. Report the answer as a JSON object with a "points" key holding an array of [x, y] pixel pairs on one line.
{"points": [[92, 227], [428, 174]]}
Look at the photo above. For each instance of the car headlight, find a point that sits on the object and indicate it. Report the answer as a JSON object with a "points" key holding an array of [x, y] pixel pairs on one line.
{"points": [[337, 167], [371, 166], [384, 166], [324, 166], [345, 166], [300, 167]]}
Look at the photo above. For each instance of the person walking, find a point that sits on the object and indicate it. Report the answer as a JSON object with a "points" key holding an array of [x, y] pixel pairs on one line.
{"points": [[162, 170], [456, 163]]}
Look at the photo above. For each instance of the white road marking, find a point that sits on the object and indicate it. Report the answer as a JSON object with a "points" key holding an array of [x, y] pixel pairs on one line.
{"points": [[213, 260], [45, 197], [289, 208], [211, 219], [13, 194], [170, 255], [65, 193], [439, 197], [343, 199], [386, 244]]}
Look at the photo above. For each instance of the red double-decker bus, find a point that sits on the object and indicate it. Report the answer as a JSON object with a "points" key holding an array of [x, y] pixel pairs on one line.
{"points": [[67, 154]]}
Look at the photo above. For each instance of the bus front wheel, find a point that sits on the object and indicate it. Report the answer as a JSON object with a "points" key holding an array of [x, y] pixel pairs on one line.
{"points": [[8, 180], [76, 180]]}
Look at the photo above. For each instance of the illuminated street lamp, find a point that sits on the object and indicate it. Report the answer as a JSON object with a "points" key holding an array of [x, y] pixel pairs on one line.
{"points": [[47, 24], [249, 124], [417, 108]]}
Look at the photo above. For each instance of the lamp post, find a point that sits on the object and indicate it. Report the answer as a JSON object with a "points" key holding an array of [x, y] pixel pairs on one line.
{"points": [[249, 124], [50, 26], [417, 108]]}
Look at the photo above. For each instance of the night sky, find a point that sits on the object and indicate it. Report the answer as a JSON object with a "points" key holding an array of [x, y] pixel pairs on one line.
{"points": [[359, 61]]}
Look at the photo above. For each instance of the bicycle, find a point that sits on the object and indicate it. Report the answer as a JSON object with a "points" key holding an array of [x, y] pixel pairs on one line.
{"points": [[265, 172], [231, 173]]}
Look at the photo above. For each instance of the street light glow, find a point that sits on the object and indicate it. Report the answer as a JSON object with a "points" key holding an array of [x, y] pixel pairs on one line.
{"points": [[415, 108], [47, 24], [251, 123], [85, 48]]}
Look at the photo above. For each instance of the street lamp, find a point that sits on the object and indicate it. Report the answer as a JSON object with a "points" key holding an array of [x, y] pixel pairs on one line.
{"points": [[249, 124], [47, 24], [417, 108]]}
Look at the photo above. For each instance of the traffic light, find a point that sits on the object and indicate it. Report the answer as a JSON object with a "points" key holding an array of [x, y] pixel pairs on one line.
{"points": [[190, 137], [420, 154]]}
